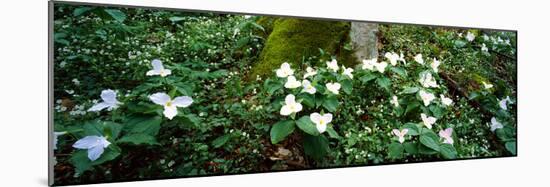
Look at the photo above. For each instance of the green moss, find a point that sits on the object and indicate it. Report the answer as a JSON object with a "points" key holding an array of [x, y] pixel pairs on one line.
{"points": [[292, 39], [267, 23]]}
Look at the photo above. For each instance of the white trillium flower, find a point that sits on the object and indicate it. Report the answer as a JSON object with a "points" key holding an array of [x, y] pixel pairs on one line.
{"points": [[394, 101], [284, 71], [369, 64], [333, 65], [310, 72], [495, 124], [445, 100], [435, 64], [55, 135], [484, 48], [470, 36], [291, 82], [487, 86], [291, 106], [428, 121], [381, 67], [418, 58], [447, 135], [400, 134], [347, 72], [170, 106], [94, 144], [109, 101], [308, 87], [402, 58], [427, 80], [504, 103], [333, 87], [392, 57], [321, 121], [426, 97], [158, 69]]}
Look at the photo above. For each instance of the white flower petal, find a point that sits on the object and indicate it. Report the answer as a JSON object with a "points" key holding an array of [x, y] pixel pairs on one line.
{"points": [[160, 98], [315, 117], [95, 152], [285, 110], [157, 65], [183, 101], [170, 111], [98, 107], [88, 142]]}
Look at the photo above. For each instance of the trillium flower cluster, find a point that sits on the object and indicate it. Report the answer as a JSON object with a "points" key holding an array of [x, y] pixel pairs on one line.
{"points": [[400, 134], [321, 121], [372, 65]]}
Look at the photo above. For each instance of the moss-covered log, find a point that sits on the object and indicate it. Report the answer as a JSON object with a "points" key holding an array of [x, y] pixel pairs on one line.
{"points": [[293, 39]]}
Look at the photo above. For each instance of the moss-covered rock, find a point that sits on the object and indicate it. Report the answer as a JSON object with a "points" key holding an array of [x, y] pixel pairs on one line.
{"points": [[292, 39]]}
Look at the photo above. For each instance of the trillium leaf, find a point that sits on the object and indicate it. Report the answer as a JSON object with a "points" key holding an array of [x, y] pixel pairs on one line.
{"points": [[436, 111], [176, 18], [81, 10], [413, 129], [383, 82], [306, 125], [331, 104], [511, 147], [430, 139], [82, 163], [220, 141], [410, 90], [422, 149], [116, 14], [412, 106], [347, 86], [316, 146], [332, 133], [281, 130], [395, 150], [400, 71], [308, 99], [144, 124], [138, 139], [368, 77], [447, 151], [410, 147]]}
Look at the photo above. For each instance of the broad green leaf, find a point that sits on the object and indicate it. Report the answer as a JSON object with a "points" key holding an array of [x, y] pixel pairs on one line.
{"points": [[306, 125], [176, 18], [316, 146], [308, 99], [81, 10], [422, 149], [400, 71], [430, 140], [102, 128], [410, 148], [368, 77], [383, 82], [411, 106], [347, 86], [220, 141], [331, 104], [395, 150], [436, 111], [138, 139], [332, 133], [511, 147], [82, 163], [143, 124], [410, 90], [413, 129], [281, 130], [116, 14], [448, 151]]}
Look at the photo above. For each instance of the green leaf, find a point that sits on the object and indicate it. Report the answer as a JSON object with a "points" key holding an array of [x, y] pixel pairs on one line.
{"points": [[430, 140], [332, 133], [410, 148], [511, 147], [116, 14], [436, 111], [395, 150], [220, 141], [413, 129], [82, 163], [448, 151], [316, 146], [459, 43], [347, 86], [368, 77], [400, 71], [308, 99], [102, 128], [422, 149], [138, 139], [411, 106], [176, 18], [281, 130], [331, 104], [81, 10], [306, 125], [143, 124], [272, 86], [410, 90], [383, 82]]}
